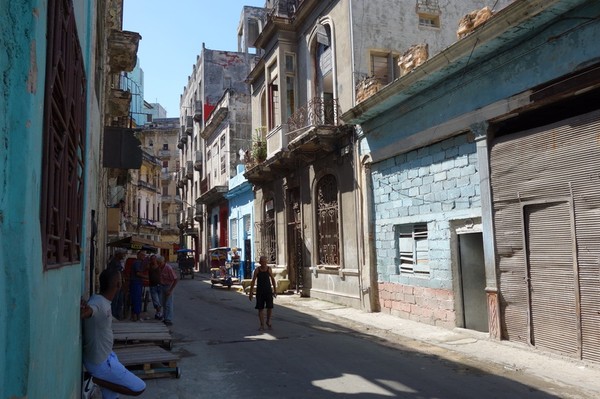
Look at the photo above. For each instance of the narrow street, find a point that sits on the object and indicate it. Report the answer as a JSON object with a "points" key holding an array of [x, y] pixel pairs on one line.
{"points": [[306, 355]]}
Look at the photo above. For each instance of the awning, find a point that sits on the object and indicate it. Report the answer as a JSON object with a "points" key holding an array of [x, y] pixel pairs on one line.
{"points": [[138, 243]]}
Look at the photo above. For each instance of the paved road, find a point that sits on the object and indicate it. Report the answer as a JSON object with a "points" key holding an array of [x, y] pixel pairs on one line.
{"points": [[308, 355]]}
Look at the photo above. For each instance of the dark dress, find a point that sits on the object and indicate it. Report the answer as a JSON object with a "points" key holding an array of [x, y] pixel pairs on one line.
{"points": [[264, 292]]}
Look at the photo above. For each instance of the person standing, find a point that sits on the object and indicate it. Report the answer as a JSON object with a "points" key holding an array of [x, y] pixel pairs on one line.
{"points": [[263, 276], [155, 287], [168, 281], [118, 262], [98, 356], [136, 286]]}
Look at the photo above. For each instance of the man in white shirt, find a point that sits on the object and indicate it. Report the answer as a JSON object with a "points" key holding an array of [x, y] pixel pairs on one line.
{"points": [[98, 356]]}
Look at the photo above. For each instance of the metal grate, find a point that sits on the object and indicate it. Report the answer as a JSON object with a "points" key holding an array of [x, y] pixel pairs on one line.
{"points": [[295, 241], [61, 209], [327, 221], [266, 231], [317, 112]]}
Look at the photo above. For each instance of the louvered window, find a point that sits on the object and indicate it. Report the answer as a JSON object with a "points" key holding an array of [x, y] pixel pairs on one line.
{"points": [[61, 209], [413, 249]]}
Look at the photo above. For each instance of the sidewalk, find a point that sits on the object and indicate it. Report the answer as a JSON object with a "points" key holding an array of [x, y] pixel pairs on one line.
{"points": [[585, 377]]}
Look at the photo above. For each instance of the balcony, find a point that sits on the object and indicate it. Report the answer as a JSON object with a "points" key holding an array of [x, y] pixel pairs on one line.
{"points": [[313, 132], [189, 169], [198, 112], [150, 158], [189, 125], [318, 112], [285, 8], [119, 103], [198, 161], [147, 185], [165, 153], [122, 50]]}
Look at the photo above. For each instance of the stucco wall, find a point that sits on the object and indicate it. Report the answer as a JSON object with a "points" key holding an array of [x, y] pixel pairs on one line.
{"points": [[40, 329]]}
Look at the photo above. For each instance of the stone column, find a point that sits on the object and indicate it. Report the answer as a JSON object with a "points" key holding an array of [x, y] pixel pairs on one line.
{"points": [[480, 130]]}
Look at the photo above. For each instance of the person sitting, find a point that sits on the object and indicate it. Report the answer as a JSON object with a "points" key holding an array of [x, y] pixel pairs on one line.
{"points": [[98, 356]]}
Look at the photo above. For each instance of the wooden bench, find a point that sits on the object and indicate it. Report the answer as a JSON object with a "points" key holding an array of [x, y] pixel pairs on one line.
{"points": [[131, 333], [149, 361]]}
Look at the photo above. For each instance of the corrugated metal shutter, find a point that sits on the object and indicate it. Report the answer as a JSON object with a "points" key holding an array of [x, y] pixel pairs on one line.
{"points": [[552, 287], [556, 161]]}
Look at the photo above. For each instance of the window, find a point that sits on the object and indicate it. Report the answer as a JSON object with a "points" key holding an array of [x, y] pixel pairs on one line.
{"points": [[429, 20], [328, 238], [222, 140], [384, 67], [63, 163], [290, 84], [165, 147], [223, 164], [273, 93], [234, 233], [412, 249], [165, 164]]}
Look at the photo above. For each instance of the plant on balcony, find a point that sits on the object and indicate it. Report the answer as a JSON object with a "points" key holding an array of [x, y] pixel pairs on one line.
{"points": [[259, 146]]}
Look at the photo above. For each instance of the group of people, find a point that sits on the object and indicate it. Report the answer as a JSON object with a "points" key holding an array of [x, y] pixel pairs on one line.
{"points": [[153, 271], [161, 280], [99, 358]]}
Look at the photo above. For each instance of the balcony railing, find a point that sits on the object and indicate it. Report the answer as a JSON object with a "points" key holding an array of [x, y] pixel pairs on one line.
{"points": [[317, 112], [149, 186], [285, 8]]}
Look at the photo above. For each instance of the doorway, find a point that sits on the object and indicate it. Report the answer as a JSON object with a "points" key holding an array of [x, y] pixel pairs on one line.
{"points": [[472, 282]]}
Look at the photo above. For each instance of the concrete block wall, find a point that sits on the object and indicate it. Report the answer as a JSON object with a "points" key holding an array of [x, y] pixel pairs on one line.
{"points": [[432, 185]]}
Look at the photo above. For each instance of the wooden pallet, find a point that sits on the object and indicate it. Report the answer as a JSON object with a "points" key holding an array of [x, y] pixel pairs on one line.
{"points": [[149, 361], [130, 333]]}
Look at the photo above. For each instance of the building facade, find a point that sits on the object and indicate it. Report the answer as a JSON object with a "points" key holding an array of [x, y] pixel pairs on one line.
{"points": [[491, 199], [319, 59], [215, 118], [55, 102]]}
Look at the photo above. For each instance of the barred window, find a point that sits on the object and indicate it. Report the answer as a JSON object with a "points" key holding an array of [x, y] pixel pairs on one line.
{"points": [[267, 246], [328, 237], [61, 209]]}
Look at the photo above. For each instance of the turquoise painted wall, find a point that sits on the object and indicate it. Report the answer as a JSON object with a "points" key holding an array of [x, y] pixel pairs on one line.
{"points": [[401, 193], [514, 68], [433, 185], [40, 334], [241, 203]]}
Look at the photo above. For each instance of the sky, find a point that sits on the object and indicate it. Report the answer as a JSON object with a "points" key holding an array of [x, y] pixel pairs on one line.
{"points": [[172, 36]]}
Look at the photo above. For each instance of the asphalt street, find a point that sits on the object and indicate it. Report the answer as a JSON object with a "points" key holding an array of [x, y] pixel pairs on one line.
{"points": [[312, 354]]}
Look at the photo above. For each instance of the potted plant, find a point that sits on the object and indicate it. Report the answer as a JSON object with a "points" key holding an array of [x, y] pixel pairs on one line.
{"points": [[259, 146]]}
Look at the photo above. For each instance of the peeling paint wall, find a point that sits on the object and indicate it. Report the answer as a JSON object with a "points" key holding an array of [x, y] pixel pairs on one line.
{"points": [[40, 325]]}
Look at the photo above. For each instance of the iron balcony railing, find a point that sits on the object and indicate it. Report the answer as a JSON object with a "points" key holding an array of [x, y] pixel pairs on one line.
{"points": [[145, 184], [285, 8], [317, 112]]}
